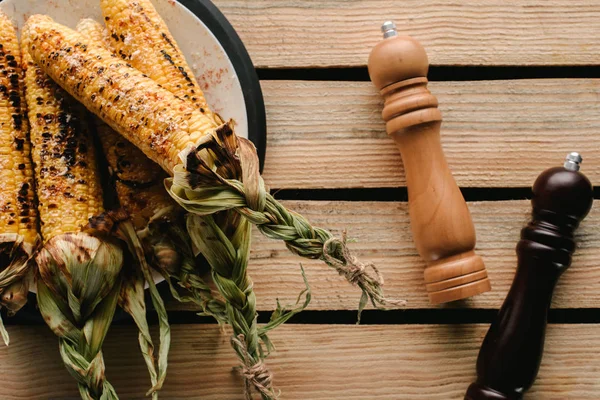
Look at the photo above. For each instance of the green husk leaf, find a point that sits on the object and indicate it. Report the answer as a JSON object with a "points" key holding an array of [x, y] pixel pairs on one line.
{"points": [[19, 254], [96, 327], [80, 350], [201, 228], [282, 314], [212, 243], [133, 302], [137, 310], [56, 320]]}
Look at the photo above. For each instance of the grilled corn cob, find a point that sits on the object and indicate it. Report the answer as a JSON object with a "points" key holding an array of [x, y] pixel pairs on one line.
{"points": [[155, 215], [140, 36], [149, 116], [78, 284], [138, 180], [68, 186], [18, 214]]}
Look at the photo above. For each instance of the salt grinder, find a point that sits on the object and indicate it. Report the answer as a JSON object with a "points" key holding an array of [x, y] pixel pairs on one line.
{"points": [[441, 223], [511, 352]]}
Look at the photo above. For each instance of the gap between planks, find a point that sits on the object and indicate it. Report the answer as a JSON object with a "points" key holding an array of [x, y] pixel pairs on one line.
{"points": [[495, 133], [381, 231], [379, 362], [284, 33]]}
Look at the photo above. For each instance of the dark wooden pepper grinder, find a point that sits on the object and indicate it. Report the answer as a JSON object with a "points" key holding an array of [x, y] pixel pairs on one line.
{"points": [[511, 352], [439, 217]]}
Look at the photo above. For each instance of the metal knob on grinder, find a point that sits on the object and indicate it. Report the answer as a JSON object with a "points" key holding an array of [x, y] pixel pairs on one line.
{"points": [[441, 223], [511, 352]]}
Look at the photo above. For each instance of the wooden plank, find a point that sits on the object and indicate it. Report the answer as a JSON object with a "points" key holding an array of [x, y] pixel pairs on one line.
{"points": [[283, 33], [318, 362], [382, 234], [495, 133]]}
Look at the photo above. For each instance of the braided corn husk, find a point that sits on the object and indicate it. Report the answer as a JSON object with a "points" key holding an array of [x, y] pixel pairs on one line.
{"points": [[78, 287]]}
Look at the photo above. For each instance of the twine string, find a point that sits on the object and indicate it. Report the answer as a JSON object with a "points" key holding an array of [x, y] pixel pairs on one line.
{"points": [[255, 373], [348, 265]]}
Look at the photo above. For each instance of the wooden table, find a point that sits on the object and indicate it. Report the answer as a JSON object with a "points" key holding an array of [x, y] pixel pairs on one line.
{"points": [[330, 157]]}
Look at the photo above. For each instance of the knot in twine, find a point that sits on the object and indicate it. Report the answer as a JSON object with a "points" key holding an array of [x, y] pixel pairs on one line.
{"points": [[366, 275], [337, 254], [255, 373]]}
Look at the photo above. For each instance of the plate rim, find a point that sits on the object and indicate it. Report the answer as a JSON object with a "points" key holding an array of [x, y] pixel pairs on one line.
{"points": [[221, 28]]}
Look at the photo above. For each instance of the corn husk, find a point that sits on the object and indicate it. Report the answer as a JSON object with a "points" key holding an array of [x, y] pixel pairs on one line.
{"points": [[78, 286], [219, 180], [15, 275], [133, 302], [170, 248], [134, 276]]}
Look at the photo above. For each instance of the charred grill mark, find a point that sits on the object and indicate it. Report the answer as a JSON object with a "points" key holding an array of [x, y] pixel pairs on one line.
{"points": [[169, 41], [167, 57], [24, 189], [18, 121], [9, 68], [19, 144]]}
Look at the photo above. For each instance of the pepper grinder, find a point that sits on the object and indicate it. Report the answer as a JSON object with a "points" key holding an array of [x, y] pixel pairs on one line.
{"points": [[441, 223], [511, 352]]}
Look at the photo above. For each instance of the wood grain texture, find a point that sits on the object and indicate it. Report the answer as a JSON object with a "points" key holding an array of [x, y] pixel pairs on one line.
{"points": [[382, 234], [284, 33], [318, 362], [494, 134]]}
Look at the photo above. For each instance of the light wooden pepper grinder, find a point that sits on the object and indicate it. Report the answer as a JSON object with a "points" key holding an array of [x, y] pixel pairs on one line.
{"points": [[441, 223]]}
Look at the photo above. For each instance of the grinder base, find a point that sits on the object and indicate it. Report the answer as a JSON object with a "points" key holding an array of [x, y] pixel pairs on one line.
{"points": [[482, 392], [456, 278]]}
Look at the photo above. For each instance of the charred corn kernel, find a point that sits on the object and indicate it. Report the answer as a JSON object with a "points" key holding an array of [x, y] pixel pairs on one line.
{"points": [[138, 180], [140, 36], [149, 116], [18, 214], [68, 186], [95, 31]]}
